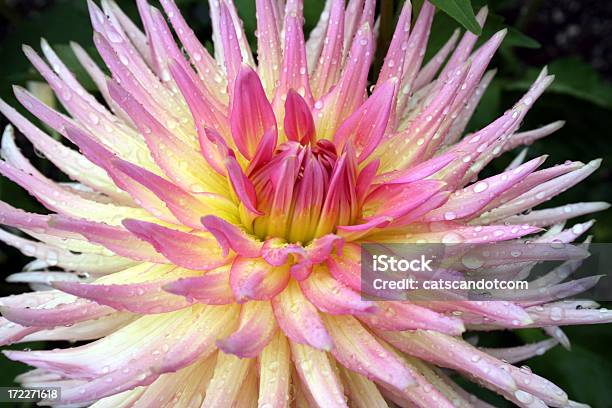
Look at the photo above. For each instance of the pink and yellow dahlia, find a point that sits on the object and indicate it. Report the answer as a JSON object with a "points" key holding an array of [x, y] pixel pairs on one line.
{"points": [[209, 241]]}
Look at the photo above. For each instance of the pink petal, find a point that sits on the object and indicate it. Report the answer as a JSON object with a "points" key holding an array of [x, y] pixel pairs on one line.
{"points": [[400, 316], [232, 55], [294, 70], [76, 166], [213, 288], [397, 200], [268, 43], [346, 269], [319, 250], [49, 309], [205, 111], [242, 185], [447, 351], [417, 43], [363, 392], [417, 172], [299, 319], [530, 136], [146, 297], [358, 350], [184, 249], [230, 236], [254, 278], [205, 64], [182, 164], [231, 374], [344, 99], [551, 216], [366, 126], [543, 192], [276, 251], [521, 353], [472, 199], [394, 59], [366, 177], [104, 158], [299, 125], [132, 365], [465, 46], [275, 372], [329, 63], [48, 255], [330, 296], [357, 231], [116, 239], [61, 200], [321, 383], [255, 330], [251, 113], [187, 208], [428, 72]]}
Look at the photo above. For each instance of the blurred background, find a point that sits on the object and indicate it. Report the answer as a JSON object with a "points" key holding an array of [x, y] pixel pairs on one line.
{"points": [[572, 37]]}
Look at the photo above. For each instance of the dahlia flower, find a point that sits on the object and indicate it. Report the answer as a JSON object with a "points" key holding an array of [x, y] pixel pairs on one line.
{"points": [[208, 245]]}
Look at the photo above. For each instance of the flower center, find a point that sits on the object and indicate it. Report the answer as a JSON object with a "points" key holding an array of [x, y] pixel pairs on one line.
{"points": [[304, 192]]}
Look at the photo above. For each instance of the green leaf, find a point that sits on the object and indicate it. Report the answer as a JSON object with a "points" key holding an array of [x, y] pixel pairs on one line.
{"points": [[584, 372], [514, 38], [460, 10], [575, 78]]}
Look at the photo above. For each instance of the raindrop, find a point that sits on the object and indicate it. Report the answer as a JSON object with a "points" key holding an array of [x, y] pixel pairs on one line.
{"points": [[472, 262], [556, 313], [480, 187], [523, 396], [114, 37]]}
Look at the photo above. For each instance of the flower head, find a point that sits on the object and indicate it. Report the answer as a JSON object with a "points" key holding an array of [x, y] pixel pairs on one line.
{"points": [[209, 241]]}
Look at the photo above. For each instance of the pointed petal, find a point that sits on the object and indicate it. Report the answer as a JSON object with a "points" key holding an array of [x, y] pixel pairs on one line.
{"points": [[116, 239], [268, 43], [225, 385], [254, 278], [294, 71], [330, 296], [329, 64], [145, 297], [318, 376], [363, 392], [275, 373], [49, 309], [255, 330], [472, 199], [251, 113], [299, 319], [212, 288], [447, 351], [394, 59], [364, 129], [299, 125], [402, 316], [521, 353], [358, 350], [230, 236], [190, 251], [347, 95]]}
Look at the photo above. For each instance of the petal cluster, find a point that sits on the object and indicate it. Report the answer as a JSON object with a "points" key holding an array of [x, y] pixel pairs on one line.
{"points": [[208, 244]]}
